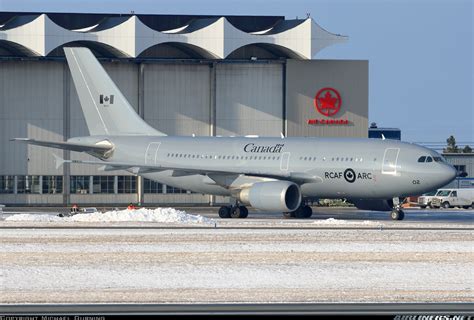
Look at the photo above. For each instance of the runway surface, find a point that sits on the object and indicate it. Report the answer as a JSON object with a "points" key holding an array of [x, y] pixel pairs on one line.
{"points": [[341, 255]]}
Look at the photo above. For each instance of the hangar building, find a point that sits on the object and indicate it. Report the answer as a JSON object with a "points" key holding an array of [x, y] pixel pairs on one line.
{"points": [[185, 75]]}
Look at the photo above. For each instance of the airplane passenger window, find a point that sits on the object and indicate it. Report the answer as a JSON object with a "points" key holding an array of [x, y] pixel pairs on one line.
{"points": [[352, 159], [429, 159], [347, 159], [422, 159]]}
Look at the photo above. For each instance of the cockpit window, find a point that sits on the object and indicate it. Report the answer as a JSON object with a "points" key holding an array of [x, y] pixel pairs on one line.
{"points": [[429, 159], [422, 159], [438, 159]]}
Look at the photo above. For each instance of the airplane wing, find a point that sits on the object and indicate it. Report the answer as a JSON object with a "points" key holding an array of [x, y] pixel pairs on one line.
{"points": [[136, 168]]}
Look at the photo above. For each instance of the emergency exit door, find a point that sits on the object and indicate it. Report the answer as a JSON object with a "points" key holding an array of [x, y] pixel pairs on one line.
{"points": [[390, 158], [151, 153], [285, 161]]}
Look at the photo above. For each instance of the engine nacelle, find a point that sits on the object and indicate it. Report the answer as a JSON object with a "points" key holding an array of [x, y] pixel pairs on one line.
{"points": [[374, 205], [281, 196]]}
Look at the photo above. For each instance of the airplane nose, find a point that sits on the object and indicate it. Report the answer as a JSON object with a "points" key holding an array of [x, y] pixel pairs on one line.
{"points": [[449, 173]]}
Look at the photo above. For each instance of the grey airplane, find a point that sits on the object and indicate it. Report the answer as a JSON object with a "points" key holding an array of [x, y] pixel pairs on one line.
{"points": [[269, 173]]}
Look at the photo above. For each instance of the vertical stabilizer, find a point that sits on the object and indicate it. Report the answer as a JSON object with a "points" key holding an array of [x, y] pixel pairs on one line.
{"points": [[105, 109]]}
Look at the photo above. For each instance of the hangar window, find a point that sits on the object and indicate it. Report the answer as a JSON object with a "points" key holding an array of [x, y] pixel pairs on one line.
{"points": [[52, 184], [127, 184], [151, 186], [80, 184], [103, 184], [170, 189], [28, 184], [422, 159], [7, 184]]}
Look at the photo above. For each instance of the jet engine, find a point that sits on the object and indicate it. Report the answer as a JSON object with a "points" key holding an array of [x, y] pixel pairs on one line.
{"points": [[283, 196], [373, 204]]}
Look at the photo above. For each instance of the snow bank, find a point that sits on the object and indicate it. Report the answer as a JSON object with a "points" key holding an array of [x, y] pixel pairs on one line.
{"points": [[337, 221], [167, 215]]}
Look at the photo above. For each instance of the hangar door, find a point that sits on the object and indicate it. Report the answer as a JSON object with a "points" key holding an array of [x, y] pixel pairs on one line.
{"points": [[249, 99]]}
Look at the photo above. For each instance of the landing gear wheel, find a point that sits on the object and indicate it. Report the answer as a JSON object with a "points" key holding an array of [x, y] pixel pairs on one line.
{"points": [[244, 212], [224, 212], [397, 214], [235, 212], [307, 212]]}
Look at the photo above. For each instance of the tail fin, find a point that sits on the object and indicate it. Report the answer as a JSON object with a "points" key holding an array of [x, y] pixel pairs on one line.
{"points": [[106, 110]]}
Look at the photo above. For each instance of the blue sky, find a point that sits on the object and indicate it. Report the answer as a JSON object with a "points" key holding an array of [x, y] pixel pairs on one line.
{"points": [[420, 52]]}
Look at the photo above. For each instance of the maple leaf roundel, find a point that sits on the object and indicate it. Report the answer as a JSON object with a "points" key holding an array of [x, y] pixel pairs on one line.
{"points": [[328, 101]]}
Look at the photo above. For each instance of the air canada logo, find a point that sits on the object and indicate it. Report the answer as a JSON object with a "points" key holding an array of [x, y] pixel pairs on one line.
{"points": [[349, 175], [106, 100], [328, 101]]}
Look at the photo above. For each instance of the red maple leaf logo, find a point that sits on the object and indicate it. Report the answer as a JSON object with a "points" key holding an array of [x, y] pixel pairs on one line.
{"points": [[328, 101]]}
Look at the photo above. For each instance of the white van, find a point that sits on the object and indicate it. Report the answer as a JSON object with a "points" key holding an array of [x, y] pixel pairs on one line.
{"points": [[448, 198], [425, 199]]}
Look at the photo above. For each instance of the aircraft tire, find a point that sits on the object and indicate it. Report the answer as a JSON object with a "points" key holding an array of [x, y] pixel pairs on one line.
{"points": [[401, 215], [395, 214], [307, 212], [224, 212], [244, 212], [235, 212]]}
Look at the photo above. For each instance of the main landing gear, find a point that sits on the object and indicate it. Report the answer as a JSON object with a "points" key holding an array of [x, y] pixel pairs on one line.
{"points": [[303, 212], [397, 212], [235, 211]]}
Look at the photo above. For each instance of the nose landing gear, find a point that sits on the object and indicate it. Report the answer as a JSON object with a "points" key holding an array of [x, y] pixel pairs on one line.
{"points": [[397, 212]]}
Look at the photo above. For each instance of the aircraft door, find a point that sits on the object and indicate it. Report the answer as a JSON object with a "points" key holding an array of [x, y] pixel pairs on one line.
{"points": [[285, 161], [390, 158], [151, 153]]}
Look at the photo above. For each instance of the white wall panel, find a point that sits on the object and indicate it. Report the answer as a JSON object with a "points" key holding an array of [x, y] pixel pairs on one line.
{"points": [[31, 105], [249, 99], [177, 98]]}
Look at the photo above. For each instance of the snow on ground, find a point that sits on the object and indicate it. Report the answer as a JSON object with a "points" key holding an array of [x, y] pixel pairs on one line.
{"points": [[235, 265], [166, 215]]}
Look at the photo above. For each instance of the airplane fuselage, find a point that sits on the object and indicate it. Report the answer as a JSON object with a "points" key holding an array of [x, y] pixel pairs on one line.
{"points": [[323, 167]]}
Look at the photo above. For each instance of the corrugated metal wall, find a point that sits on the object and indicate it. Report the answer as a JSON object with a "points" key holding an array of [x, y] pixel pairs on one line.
{"points": [[177, 98], [249, 99], [31, 105]]}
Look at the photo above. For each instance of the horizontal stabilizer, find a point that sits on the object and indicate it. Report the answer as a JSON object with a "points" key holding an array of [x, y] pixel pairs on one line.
{"points": [[67, 145]]}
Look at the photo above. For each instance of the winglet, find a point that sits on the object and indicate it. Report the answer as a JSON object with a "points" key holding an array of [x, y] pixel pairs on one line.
{"points": [[58, 160]]}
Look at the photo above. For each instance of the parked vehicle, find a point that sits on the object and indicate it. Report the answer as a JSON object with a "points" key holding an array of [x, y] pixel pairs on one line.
{"points": [[425, 199], [448, 198]]}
